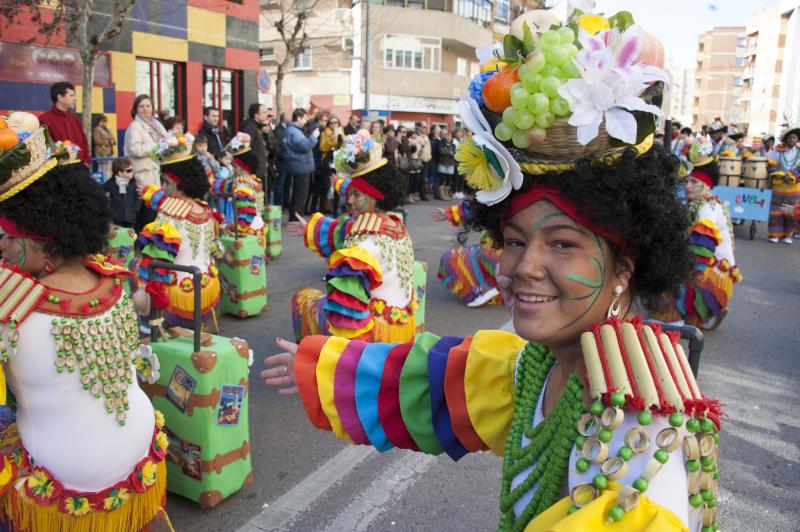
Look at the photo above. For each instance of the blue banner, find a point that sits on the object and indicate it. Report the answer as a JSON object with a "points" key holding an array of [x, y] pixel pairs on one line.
{"points": [[746, 203]]}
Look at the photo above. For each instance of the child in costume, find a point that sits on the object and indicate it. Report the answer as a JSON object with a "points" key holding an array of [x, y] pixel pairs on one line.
{"points": [[784, 165], [703, 300], [370, 292], [468, 271], [243, 186], [598, 416], [184, 232], [225, 175], [86, 451]]}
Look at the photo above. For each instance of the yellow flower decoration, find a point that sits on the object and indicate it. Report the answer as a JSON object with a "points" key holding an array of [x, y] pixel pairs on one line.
{"points": [[77, 505], [40, 484], [476, 167], [159, 420], [149, 473], [116, 498], [379, 306], [162, 441], [593, 23]]}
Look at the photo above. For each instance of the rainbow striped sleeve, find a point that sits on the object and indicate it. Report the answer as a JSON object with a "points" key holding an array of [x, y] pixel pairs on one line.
{"points": [[152, 196], [159, 240], [458, 214], [324, 234], [354, 272], [223, 186], [436, 395], [704, 237]]}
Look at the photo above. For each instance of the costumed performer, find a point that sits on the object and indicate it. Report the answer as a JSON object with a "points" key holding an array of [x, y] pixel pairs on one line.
{"points": [[717, 136], [702, 301], [246, 190], [468, 271], [598, 417], [86, 451], [784, 166], [369, 286], [184, 232]]}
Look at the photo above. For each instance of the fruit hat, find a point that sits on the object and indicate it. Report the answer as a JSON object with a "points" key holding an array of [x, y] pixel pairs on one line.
{"points": [[239, 144], [173, 148], [553, 93], [359, 155], [27, 159]]}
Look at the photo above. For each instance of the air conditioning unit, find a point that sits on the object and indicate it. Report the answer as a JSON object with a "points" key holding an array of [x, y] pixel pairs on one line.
{"points": [[347, 44]]}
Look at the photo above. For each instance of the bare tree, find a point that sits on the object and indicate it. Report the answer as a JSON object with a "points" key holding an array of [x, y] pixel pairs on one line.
{"points": [[289, 19], [85, 26]]}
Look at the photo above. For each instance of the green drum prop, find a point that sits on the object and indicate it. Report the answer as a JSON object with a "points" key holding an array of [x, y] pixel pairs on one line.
{"points": [[201, 387]]}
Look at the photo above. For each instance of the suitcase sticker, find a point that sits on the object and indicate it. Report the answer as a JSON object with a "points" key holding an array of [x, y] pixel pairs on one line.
{"points": [[230, 404], [180, 388]]}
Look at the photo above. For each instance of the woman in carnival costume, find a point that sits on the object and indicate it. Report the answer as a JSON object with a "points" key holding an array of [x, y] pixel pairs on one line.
{"points": [[468, 271], [86, 451], [246, 190], [184, 232], [370, 292], [703, 300], [784, 166], [598, 416]]}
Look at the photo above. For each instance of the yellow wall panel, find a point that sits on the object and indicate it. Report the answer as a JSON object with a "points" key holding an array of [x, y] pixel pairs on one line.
{"points": [[160, 47], [97, 99], [123, 71], [205, 26]]}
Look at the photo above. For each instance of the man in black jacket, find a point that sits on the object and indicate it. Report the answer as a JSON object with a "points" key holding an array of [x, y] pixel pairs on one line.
{"points": [[256, 118], [217, 135]]}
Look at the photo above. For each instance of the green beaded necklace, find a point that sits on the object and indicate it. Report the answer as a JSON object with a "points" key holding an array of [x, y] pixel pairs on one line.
{"points": [[551, 441]]}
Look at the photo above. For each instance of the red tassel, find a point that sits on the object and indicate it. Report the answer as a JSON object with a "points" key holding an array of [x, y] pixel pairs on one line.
{"points": [[64, 304], [159, 299]]}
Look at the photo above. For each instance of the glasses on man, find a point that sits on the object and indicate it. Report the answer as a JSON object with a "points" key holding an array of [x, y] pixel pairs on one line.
{"points": [[126, 170]]}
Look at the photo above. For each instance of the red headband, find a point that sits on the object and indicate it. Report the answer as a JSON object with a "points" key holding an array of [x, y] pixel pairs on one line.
{"points": [[553, 195], [243, 166], [362, 186], [10, 228], [172, 177], [702, 176]]}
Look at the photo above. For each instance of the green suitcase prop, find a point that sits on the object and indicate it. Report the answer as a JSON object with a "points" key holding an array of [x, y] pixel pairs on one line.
{"points": [[243, 275], [421, 286], [119, 246], [202, 390], [272, 217]]}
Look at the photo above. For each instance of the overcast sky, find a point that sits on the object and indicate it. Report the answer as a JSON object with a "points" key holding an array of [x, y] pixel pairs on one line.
{"points": [[678, 22]]}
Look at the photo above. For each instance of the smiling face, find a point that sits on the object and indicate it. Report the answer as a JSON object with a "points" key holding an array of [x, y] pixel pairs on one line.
{"points": [[557, 277], [359, 202]]}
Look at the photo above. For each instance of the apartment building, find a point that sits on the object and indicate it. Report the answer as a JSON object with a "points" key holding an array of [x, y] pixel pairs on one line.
{"points": [[719, 76], [421, 55], [682, 84], [771, 91]]}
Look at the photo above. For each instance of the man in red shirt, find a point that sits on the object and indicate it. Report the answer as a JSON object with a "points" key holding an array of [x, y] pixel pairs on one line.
{"points": [[62, 123]]}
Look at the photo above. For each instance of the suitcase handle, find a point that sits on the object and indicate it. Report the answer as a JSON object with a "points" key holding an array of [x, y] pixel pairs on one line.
{"points": [[688, 332], [197, 277]]}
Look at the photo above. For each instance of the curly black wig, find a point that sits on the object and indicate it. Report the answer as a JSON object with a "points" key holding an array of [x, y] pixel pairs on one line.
{"points": [[249, 159], [66, 203], [712, 169], [633, 198], [388, 180], [192, 177]]}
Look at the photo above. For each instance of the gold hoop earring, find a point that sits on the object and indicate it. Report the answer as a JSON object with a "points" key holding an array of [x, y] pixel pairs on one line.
{"points": [[616, 307]]}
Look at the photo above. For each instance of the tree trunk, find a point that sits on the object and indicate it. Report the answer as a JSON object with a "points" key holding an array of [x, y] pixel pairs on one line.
{"points": [[86, 100], [279, 93]]}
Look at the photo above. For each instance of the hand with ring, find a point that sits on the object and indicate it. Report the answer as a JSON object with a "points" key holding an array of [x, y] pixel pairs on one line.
{"points": [[280, 372]]}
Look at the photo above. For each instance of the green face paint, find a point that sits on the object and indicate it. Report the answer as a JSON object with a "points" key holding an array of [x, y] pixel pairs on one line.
{"points": [[17, 257], [541, 221], [594, 285]]}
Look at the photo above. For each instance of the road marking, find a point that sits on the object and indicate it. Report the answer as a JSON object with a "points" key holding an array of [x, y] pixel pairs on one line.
{"points": [[368, 505], [298, 499]]}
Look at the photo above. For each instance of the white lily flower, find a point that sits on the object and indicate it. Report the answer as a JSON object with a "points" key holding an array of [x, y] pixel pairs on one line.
{"points": [[483, 137], [610, 85]]}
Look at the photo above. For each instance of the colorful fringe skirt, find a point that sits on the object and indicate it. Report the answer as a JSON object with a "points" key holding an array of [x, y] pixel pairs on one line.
{"points": [[469, 271], [309, 318], [783, 210], [180, 312]]}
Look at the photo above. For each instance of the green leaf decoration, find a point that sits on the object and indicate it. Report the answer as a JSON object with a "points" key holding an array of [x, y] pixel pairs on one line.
{"points": [[528, 39], [512, 48], [622, 20], [13, 159]]}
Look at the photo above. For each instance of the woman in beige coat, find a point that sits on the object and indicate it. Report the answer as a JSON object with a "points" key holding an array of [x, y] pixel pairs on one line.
{"points": [[103, 144], [140, 138]]}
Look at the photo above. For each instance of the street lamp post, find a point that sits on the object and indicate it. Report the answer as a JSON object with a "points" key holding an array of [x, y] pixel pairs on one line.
{"points": [[365, 59]]}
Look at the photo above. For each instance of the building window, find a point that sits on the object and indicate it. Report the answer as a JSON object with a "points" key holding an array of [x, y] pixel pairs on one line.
{"points": [[267, 54], [412, 53], [474, 69], [164, 82], [222, 88], [740, 61], [436, 5], [740, 41], [737, 81], [302, 61], [502, 9], [461, 66], [478, 11]]}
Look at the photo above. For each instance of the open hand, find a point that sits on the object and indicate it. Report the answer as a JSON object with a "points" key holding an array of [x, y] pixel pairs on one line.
{"points": [[297, 228], [438, 215], [281, 368]]}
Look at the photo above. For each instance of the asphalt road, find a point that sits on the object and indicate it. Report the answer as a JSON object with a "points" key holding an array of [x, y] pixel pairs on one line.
{"points": [[307, 480]]}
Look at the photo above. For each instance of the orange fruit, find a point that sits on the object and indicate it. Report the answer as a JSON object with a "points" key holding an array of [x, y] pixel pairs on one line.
{"points": [[8, 139], [497, 89], [3, 123]]}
